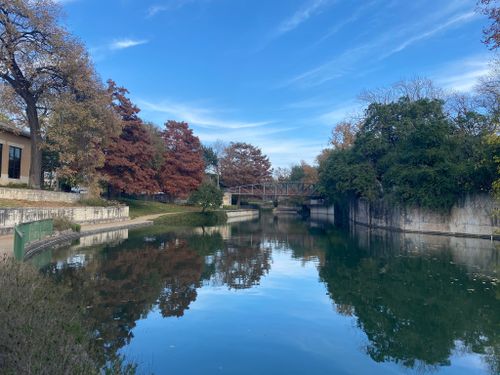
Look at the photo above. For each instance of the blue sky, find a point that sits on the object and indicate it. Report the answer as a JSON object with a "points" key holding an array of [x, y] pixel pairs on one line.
{"points": [[276, 73]]}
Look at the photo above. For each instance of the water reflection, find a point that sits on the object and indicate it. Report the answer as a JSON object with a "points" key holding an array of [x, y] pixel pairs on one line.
{"points": [[415, 307], [419, 300]]}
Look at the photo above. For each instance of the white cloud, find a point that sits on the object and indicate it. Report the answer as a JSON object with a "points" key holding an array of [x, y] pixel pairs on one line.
{"points": [[203, 117], [170, 5], [455, 21], [463, 75], [342, 112], [126, 43], [393, 40], [311, 8]]}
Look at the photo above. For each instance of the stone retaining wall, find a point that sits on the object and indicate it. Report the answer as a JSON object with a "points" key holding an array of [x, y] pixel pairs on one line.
{"points": [[9, 217], [38, 195], [242, 213], [474, 216]]}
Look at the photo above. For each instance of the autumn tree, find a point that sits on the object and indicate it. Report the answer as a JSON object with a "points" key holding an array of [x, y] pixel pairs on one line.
{"points": [[491, 9], [183, 169], [303, 173], [344, 134], [43, 68], [128, 166], [244, 164]]}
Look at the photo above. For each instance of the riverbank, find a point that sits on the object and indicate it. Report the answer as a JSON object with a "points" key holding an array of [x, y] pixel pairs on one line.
{"points": [[181, 218]]}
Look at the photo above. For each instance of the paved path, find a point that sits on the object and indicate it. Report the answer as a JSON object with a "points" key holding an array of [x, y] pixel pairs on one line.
{"points": [[7, 241]]}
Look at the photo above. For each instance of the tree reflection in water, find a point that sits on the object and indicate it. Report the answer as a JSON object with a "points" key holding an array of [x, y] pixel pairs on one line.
{"points": [[126, 282], [415, 309]]}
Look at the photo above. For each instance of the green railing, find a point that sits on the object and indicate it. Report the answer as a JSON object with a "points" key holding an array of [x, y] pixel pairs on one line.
{"points": [[29, 232]]}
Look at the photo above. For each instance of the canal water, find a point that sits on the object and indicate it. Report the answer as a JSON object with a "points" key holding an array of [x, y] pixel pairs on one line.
{"points": [[280, 295]]}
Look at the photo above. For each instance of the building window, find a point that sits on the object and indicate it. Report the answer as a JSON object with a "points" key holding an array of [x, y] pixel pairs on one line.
{"points": [[14, 162], [1, 158]]}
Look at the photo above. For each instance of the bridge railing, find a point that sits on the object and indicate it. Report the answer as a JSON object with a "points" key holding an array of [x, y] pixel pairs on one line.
{"points": [[275, 189]]}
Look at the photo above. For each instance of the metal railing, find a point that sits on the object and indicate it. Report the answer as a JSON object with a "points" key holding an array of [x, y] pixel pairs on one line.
{"points": [[273, 189], [29, 232]]}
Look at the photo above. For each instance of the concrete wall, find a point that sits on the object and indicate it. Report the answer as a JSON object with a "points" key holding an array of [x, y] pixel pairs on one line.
{"points": [[227, 199], [326, 213], [245, 214], [471, 217], [38, 195], [9, 139], [9, 217]]}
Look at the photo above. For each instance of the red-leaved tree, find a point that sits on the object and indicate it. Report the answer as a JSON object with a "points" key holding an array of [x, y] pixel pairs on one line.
{"points": [[244, 164], [129, 157], [183, 169]]}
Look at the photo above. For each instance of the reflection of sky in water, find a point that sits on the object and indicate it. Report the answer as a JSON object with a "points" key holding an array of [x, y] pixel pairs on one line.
{"points": [[279, 299]]}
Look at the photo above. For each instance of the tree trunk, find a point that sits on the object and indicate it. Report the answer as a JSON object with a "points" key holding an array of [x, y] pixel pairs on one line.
{"points": [[35, 175]]}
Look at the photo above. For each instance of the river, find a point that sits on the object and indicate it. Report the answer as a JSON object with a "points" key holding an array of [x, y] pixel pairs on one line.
{"points": [[279, 295]]}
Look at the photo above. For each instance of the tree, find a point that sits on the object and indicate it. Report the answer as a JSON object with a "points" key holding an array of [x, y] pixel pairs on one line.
{"points": [[128, 166], [42, 67], [244, 164], [492, 32], [344, 134], [155, 136], [413, 153], [281, 174], [414, 89], [210, 158], [183, 169], [207, 196]]}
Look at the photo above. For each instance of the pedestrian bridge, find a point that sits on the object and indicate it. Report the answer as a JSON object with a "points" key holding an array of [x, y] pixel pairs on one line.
{"points": [[275, 190]]}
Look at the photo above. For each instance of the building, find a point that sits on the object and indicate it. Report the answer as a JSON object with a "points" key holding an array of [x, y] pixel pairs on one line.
{"points": [[15, 155]]}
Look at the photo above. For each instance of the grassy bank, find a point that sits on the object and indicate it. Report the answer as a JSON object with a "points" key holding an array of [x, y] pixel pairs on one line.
{"points": [[42, 332], [142, 208], [193, 219]]}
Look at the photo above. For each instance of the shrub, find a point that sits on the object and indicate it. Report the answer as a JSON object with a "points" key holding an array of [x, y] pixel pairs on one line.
{"points": [[207, 196], [193, 219], [62, 223]]}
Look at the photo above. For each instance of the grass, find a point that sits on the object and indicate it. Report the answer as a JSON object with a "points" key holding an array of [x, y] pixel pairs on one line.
{"points": [[42, 332], [142, 208], [193, 219]]}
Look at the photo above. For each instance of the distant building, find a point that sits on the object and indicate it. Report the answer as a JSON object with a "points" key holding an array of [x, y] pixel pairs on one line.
{"points": [[15, 155]]}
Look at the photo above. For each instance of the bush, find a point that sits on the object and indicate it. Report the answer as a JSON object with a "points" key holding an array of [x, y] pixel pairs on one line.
{"points": [[193, 219], [39, 334], [42, 332], [98, 202], [62, 223], [207, 196]]}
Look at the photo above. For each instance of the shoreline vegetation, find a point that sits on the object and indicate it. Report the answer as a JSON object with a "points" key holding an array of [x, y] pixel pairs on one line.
{"points": [[42, 331]]}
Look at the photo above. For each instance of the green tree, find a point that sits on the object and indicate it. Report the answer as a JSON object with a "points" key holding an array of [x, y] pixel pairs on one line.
{"points": [[207, 196], [412, 153]]}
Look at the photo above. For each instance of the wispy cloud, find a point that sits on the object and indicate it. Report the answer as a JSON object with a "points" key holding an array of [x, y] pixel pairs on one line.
{"points": [[276, 139], [126, 43], [455, 21], [200, 116], [170, 5], [389, 42], [463, 75], [334, 29], [341, 112], [311, 8]]}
